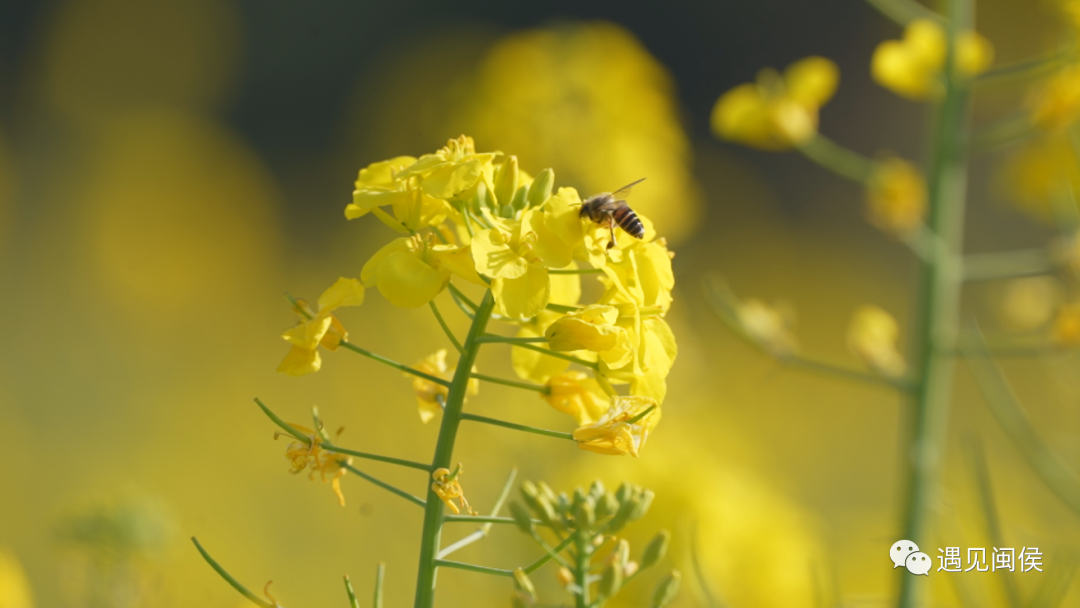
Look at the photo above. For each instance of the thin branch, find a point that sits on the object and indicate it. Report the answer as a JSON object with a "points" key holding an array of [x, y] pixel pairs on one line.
{"points": [[229, 578], [394, 364], [493, 338], [445, 327], [380, 576], [529, 387], [999, 395], [904, 12], [517, 427], [483, 530], [1026, 69], [445, 563], [558, 355], [353, 602], [1007, 265], [462, 297], [549, 555], [382, 484], [838, 159]]}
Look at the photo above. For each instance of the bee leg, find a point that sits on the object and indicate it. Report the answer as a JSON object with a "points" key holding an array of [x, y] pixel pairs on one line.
{"points": [[611, 227]]}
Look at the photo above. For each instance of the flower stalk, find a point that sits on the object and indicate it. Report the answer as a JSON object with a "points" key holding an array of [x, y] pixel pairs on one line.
{"points": [[444, 451], [938, 308]]}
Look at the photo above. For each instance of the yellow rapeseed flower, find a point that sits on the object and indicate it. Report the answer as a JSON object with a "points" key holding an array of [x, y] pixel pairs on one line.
{"points": [[777, 112], [302, 455], [447, 486], [452, 169], [378, 185], [1041, 172], [912, 67], [896, 196], [592, 328], [1056, 104], [872, 336], [14, 588], [411, 271], [429, 395], [577, 394], [768, 326], [536, 366], [1066, 329], [623, 429], [319, 329]]}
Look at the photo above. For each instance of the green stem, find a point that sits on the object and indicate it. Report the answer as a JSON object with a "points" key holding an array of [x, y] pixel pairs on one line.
{"points": [[577, 271], [380, 576], [378, 457], [558, 355], [990, 513], [838, 159], [549, 555], [445, 563], [938, 308], [517, 427], [904, 11], [229, 578], [483, 530], [394, 364], [445, 327], [353, 602], [1004, 132], [563, 308], [510, 340], [385, 486], [1007, 265], [814, 365], [444, 451], [482, 519], [462, 297], [1027, 69], [529, 387], [581, 569]]}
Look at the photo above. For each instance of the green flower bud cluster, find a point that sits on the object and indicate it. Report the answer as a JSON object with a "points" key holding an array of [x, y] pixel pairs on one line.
{"points": [[590, 520]]}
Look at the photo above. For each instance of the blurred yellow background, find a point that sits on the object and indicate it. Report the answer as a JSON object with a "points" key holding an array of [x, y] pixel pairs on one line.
{"points": [[169, 169]]}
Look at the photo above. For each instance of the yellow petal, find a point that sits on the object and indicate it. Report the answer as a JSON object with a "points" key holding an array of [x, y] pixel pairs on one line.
{"points": [[522, 297], [300, 361], [589, 329], [493, 255], [811, 81], [562, 215], [406, 281], [382, 173], [531, 365], [448, 180], [364, 201], [307, 334], [974, 54], [566, 288], [742, 115], [459, 261], [549, 247], [368, 272], [344, 292]]}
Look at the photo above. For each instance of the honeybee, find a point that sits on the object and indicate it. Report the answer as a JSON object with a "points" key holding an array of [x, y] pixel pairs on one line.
{"points": [[610, 208]]}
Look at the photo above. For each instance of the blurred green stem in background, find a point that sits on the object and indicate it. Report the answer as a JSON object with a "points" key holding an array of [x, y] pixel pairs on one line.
{"points": [[444, 451], [904, 11], [939, 299], [232, 581], [838, 159]]}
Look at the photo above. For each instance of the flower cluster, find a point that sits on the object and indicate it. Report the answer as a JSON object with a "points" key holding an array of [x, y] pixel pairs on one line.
{"points": [[912, 67], [471, 220]]}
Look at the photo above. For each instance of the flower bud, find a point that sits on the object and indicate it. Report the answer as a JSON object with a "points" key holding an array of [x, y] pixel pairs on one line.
{"points": [[667, 590], [606, 506], [523, 584], [597, 490], [540, 190], [521, 198], [585, 513], [520, 600], [641, 507], [506, 181], [611, 580], [521, 518], [565, 576], [656, 549]]}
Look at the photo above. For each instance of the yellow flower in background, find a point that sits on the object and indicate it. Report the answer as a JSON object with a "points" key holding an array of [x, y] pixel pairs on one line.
{"points": [[411, 271], [447, 486], [592, 328], [1027, 304], [302, 455], [555, 96], [896, 196], [14, 588], [912, 67], [429, 395], [1057, 103], [1041, 172], [778, 111], [623, 429], [378, 186], [319, 329], [768, 326], [1066, 328], [577, 394], [873, 335]]}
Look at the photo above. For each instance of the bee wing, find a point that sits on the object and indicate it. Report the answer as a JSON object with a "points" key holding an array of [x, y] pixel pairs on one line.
{"points": [[625, 190]]}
